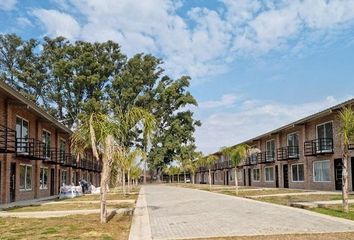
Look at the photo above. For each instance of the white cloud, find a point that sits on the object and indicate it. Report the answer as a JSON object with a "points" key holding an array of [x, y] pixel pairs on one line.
{"points": [[227, 100], [252, 118], [57, 23], [23, 22], [205, 42], [7, 5]]}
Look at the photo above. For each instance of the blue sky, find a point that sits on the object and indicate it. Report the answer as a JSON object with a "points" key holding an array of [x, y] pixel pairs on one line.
{"points": [[255, 65]]}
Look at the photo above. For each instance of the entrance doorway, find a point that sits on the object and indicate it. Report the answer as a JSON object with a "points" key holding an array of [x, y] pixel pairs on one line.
{"points": [[12, 182], [276, 176], [244, 177], [226, 178], [286, 176], [338, 171], [249, 177], [352, 171], [52, 181]]}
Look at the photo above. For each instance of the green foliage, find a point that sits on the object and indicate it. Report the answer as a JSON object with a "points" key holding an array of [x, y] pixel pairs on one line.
{"points": [[73, 80], [346, 117], [236, 154]]}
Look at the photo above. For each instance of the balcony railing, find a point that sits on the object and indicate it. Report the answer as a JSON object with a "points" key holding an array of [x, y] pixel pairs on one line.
{"points": [[318, 146], [7, 140], [30, 148], [288, 153], [351, 146], [69, 160], [266, 157], [51, 156]]}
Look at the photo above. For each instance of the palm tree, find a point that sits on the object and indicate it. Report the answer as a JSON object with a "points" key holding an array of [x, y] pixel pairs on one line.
{"points": [[236, 156], [193, 164], [135, 174], [208, 162], [346, 117], [107, 136]]}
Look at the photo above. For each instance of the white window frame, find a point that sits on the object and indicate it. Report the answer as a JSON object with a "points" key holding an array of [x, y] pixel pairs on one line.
{"points": [[28, 134], [265, 174], [26, 167], [291, 170], [313, 171], [298, 139], [270, 140], [42, 186], [50, 136], [324, 151], [259, 175]]}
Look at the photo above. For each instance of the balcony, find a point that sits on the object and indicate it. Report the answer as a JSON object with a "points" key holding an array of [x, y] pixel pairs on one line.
{"points": [[30, 148], [288, 153], [222, 165], [351, 146], [7, 140], [51, 156], [266, 157], [69, 160], [318, 147]]}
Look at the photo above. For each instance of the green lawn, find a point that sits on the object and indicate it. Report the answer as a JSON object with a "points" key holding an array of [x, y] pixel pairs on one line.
{"points": [[70, 227], [68, 206], [336, 211], [287, 200]]}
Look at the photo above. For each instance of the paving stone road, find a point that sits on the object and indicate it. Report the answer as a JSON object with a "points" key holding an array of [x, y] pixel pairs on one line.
{"points": [[177, 213]]}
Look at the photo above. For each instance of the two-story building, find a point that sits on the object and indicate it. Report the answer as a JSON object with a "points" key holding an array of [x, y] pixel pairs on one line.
{"points": [[35, 155], [305, 154]]}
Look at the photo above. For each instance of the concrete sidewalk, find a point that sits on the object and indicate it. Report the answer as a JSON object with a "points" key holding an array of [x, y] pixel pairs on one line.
{"points": [[182, 213]]}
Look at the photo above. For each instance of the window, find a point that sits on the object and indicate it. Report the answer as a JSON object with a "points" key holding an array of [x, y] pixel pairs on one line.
{"points": [[269, 174], [270, 148], [297, 171], [61, 150], [22, 130], [324, 136], [46, 141], [321, 171], [25, 177], [293, 145], [73, 180], [256, 175], [43, 178], [64, 177]]}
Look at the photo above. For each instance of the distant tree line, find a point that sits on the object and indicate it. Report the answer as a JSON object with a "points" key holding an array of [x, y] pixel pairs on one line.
{"points": [[72, 80]]}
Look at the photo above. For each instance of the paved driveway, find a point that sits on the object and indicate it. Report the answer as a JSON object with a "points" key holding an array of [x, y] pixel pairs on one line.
{"points": [[175, 213]]}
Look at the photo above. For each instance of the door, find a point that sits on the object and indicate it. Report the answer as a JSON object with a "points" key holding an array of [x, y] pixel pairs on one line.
{"points": [[293, 145], [338, 168], [59, 180], [22, 135], [286, 176], [324, 136], [77, 179], [276, 176], [244, 177], [52, 181], [213, 178], [270, 147], [12, 182], [352, 171], [226, 178], [249, 177]]}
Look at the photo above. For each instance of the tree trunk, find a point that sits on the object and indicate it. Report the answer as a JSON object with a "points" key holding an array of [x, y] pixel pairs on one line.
{"points": [[178, 178], [345, 188], [184, 175], [193, 180], [128, 180], [145, 165], [236, 181], [209, 179], [104, 183], [123, 180]]}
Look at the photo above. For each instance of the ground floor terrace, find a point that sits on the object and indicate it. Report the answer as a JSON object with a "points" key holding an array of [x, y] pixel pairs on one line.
{"points": [[25, 179], [317, 173]]}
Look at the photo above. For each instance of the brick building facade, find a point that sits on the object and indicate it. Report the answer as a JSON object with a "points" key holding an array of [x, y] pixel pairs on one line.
{"points": [[35, 156], [306, 154]]}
